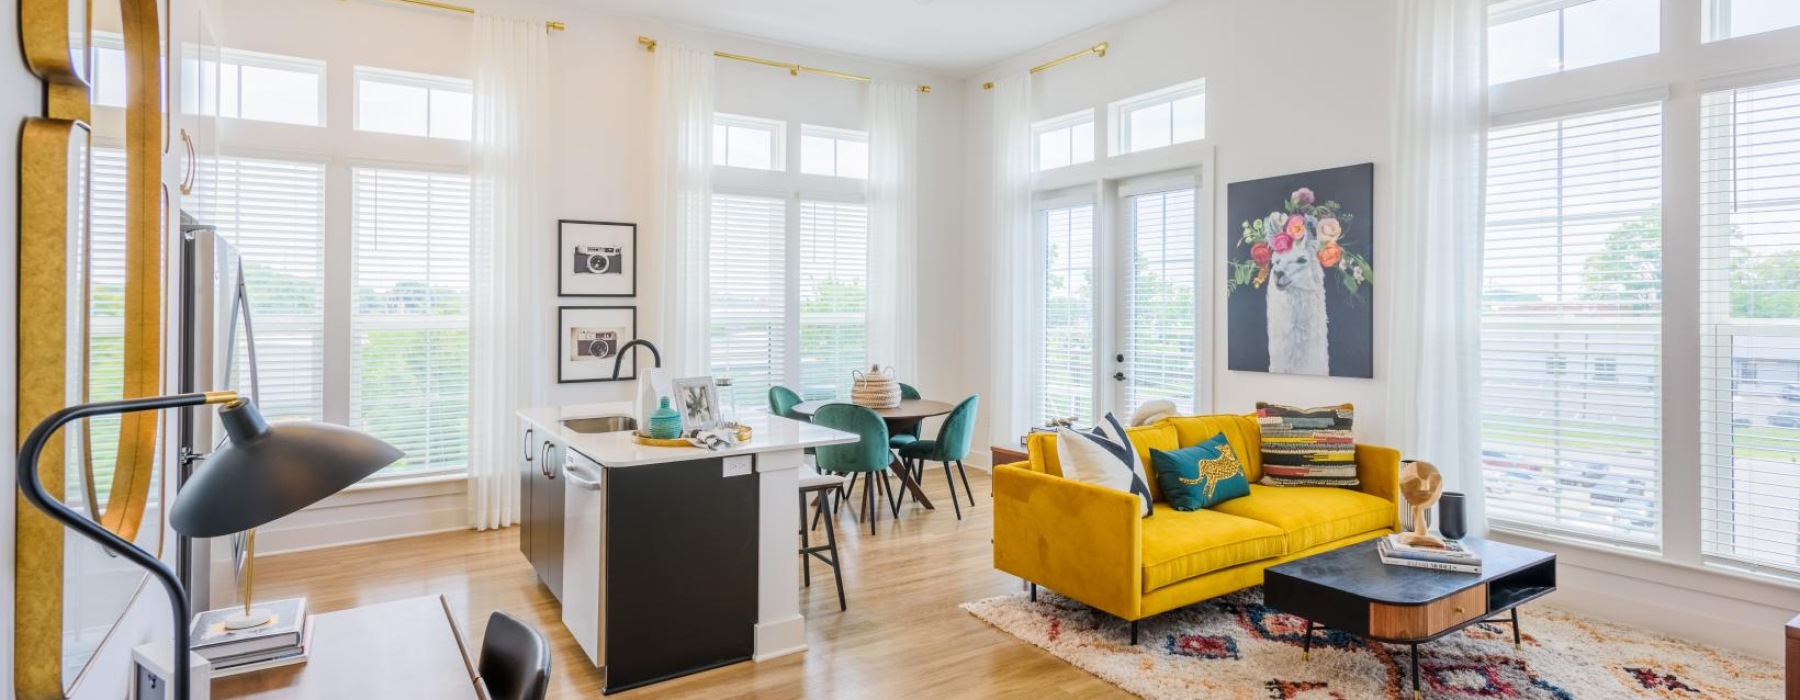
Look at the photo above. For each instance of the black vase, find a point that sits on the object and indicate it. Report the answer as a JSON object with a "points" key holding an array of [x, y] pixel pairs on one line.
{"points": [[1451, 520]]}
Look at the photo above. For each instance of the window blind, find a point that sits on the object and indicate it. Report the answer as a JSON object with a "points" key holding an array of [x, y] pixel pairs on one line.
{"points": [[274, 212], [1160, 333], [409, 338], [834, 293], [1750, 328], [1571, 327], [748, 259], [1066, 378]]}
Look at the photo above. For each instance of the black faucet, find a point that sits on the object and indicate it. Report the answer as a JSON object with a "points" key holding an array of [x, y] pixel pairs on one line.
{"points": [[619, 360]]}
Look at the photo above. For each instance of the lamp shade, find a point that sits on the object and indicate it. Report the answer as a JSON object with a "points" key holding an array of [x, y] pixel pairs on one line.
{"points": [[267, 471]]}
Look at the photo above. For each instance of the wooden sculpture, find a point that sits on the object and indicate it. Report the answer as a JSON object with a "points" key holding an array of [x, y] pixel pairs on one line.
{"points": [[1420, 484]]}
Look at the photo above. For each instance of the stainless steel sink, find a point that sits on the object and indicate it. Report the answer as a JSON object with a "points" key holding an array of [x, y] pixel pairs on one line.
{"points": [[601, 424]]}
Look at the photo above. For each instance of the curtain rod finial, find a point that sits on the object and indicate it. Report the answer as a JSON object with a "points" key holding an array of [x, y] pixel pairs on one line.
{"points": [[924, 88], [648, 43], [989, 85], [1100, 49], [555, 26]]}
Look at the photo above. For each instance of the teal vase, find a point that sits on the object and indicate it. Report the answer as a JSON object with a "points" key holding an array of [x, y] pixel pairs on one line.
{"points": [[665, 423]]}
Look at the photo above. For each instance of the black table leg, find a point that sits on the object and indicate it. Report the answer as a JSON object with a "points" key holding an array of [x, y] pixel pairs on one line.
{"points": [[1306, 644], [1515, 623], [1415, 671]]}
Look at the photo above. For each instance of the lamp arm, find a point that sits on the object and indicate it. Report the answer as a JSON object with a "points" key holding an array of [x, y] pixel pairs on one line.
{"points": [[32, 488]]}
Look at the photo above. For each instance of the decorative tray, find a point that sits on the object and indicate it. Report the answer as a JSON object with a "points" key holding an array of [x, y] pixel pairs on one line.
{"points": [[743, 434]]}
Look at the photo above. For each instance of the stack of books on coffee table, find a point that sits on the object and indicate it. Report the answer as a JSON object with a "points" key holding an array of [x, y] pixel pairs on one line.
{"points": [[1453, 556], [279, 642]]}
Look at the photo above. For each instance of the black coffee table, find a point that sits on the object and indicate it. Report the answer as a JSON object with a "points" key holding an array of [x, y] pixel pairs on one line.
{"points": [[1350, 590]]}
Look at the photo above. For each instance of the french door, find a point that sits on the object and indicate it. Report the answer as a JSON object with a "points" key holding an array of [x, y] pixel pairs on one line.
{"points": [[1119, 301]]}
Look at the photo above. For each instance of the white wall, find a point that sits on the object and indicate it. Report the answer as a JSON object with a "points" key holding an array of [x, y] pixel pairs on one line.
{"points": [[599, 171], [1278, 101]]}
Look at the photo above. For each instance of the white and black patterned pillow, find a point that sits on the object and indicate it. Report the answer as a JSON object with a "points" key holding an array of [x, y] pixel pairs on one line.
{"points": [[1103, 457]]}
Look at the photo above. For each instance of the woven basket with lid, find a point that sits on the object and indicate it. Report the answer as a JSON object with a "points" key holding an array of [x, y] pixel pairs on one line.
{"points": [[876, 388]]}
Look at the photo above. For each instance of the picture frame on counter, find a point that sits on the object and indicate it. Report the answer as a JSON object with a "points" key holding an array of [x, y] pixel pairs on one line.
{"points": [[596, 258], [588, 342], [697, 399]]}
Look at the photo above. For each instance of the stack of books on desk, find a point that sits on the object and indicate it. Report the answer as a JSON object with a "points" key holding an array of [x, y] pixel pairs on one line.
{"points": [[1453, 556], [280, 642]]}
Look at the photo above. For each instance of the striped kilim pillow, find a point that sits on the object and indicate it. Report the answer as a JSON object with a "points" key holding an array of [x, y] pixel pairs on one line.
{"points": [[1307, 446]]}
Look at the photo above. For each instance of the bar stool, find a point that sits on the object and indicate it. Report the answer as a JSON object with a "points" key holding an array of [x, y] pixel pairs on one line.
{"points": [[820, 488]]}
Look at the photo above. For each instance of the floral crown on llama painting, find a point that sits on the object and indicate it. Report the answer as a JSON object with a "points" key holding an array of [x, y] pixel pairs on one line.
{"points": [[1280, 231]]}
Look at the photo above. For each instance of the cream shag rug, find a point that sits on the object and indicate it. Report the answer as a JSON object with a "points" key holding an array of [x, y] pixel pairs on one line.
{"points": [[1236, 647]]}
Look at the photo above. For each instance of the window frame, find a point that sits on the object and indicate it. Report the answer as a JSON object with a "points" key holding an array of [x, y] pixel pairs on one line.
{"points": [[837, 137], [1067, 122], [1715, 23], [1504, 12], [1119, 115], [430, 83], [722, 123]]}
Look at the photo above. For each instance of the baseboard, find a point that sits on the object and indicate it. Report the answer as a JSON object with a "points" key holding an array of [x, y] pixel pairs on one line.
{"points": [[368, 517], [260, 554]]}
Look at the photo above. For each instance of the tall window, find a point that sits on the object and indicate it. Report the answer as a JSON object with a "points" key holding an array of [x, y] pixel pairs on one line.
{"points": [[1572, 291], [749, 142], [748, 268], [834, 293], [274, 212], [1161, 332], [1529, 38], [1066, 377], [834, 152], [106, 317], [260, 86], [409, 337], [1750, 327]]}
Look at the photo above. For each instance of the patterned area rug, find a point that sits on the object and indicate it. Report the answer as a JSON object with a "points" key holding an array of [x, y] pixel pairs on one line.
{"points": [[1236, 647]]}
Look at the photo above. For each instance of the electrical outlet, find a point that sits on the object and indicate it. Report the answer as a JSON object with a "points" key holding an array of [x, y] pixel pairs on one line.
{"points": [[739, 465]]}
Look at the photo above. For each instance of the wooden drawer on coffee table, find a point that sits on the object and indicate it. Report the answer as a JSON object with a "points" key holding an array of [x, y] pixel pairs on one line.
{"points": [[1418, 621]]}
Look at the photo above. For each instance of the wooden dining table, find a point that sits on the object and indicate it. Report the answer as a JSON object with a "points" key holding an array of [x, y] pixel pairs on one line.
{"points": [[899, 419]]}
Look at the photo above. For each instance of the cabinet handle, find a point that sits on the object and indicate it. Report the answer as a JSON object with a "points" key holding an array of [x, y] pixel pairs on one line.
{"points": [[526, 444], [544, 458], [1459, 611], [192, 169]]}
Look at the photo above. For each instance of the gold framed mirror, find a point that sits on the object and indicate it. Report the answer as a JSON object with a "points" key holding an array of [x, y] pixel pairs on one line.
{"points": [[82, 329]]}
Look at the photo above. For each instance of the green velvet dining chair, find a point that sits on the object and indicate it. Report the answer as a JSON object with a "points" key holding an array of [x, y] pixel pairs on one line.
{"points": [[782, 401], [951, 445], [867, 457], [902, 439]]}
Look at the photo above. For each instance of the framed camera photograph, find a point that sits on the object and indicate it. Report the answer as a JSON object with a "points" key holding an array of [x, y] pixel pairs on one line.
{"points": [[596, 259], [588, 342], [697, 399]]}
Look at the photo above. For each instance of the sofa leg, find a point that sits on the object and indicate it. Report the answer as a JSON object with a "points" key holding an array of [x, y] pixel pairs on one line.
{"points": [[1034, 593], [1134, 632]]}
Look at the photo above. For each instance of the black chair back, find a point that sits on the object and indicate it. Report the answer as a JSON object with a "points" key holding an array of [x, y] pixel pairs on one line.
{"points": [[515, 660]]}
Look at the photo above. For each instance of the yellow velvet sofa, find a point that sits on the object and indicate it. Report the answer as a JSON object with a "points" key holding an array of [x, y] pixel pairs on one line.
{"points": [[1091, 544]]}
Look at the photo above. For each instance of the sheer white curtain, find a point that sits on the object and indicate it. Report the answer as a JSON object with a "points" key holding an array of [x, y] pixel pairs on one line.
{"points": [[683, 103], [1014, 261], [512, 67], [1433, 273], [893, 124]]}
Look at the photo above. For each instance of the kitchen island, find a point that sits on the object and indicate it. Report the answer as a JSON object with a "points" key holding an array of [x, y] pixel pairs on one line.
{"points": [[667, 560]]}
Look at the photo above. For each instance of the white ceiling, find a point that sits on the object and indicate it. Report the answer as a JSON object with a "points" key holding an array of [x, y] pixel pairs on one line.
{"points": [[949, 36]]}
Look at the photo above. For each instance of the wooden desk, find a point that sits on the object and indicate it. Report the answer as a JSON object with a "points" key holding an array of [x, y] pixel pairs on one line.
{"points": [[405, 649]]}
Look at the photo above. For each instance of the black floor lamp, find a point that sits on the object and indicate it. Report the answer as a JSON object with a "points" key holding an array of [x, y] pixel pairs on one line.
{"points": [[262, 473]]}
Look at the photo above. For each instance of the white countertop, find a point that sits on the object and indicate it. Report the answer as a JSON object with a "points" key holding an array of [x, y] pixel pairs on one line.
{"points": [[767, 434]]}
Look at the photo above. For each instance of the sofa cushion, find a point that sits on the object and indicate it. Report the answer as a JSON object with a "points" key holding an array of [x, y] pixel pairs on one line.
{"points": [[1312, 515], [1307, 446], [1104, 457], [1179, 545], [1041, 448], [1201, 476], [1240, 431]]}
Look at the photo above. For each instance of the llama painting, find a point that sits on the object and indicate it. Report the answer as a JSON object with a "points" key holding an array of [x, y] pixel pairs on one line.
{"points": [[1300, 273]]}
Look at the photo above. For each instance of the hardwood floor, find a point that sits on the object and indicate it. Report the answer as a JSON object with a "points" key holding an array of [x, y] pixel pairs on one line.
{"points": [[904, 635]]}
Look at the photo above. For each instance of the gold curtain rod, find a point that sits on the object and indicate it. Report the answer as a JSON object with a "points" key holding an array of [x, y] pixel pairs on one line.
{"points": [[552, 25], [649, 44], [1097, 50]]}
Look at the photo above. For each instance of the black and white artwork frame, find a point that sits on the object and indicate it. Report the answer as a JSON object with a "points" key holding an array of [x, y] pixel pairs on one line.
{"points": [[697, 399], [596, 258], [580, 329]]}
